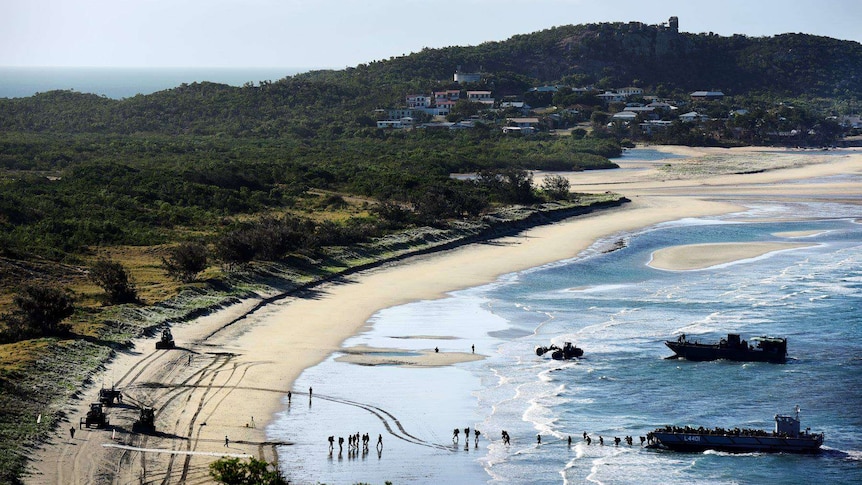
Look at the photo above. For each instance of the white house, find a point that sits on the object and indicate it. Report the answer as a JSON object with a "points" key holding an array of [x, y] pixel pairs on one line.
{"points": [[418, 101], [611, 97], [448, 95], [523, 122], [692, 116], [521, 125], [624, 116], [483, 97], [405, 122], [630, 91]]}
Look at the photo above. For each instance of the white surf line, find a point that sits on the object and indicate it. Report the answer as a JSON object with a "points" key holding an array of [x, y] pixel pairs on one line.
{"points": [[175, 452]]}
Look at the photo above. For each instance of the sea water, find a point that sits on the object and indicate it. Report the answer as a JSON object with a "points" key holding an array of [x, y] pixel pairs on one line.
{"points": [[118, 83], [620, 311]]}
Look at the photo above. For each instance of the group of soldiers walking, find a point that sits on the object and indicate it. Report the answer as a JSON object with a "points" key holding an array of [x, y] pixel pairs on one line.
{"points": [[353, 443], [457, 432]]}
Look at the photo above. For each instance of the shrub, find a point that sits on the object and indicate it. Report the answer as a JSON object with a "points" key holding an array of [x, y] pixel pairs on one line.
{"points": [[232, 471], [556, 187], [40, 311], [186, 261], [112, 277]]}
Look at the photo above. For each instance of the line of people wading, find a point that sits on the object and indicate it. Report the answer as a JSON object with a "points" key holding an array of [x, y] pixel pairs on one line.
{"points": [[355, 442], [506, 439]]}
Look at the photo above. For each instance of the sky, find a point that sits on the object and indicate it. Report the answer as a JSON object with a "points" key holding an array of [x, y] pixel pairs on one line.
{"points": [[342, 33]]}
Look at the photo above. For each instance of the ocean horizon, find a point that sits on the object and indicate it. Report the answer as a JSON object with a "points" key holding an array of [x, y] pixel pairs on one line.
{"points": [[126, 82]]}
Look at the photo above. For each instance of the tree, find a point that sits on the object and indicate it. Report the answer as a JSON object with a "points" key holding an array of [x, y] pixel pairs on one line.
{"points": [[112, 277], [556, 186], [40, 310], [185, 261], [231, 471]]}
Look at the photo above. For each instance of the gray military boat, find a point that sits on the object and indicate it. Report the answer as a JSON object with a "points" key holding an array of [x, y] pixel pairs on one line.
{"points": [[785, 438], [763, 349]]}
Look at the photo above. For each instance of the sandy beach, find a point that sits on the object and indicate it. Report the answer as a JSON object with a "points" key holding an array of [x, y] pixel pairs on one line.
{"points": [[217, 392]]}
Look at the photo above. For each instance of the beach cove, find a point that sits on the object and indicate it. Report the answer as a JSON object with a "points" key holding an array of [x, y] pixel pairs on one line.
{"points": [[249, 366]]}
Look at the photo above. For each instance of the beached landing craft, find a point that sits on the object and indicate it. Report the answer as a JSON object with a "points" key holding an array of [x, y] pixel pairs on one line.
{"points": [[767, 349], [568, 351], [785, 438]]}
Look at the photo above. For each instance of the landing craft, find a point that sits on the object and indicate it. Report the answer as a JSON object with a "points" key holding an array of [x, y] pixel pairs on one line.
{"points": [[766, 349], [785, 438]]}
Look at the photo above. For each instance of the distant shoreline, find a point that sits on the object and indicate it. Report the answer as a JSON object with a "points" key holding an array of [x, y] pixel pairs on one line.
{"points": [[126, 82]]}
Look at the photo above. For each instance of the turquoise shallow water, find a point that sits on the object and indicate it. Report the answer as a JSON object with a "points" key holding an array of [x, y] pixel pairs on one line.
{"points": [[619, 310]]}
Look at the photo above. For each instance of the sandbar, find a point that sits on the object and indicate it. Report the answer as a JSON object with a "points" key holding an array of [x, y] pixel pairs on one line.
{"points": [[363, 355], [700, 256]]}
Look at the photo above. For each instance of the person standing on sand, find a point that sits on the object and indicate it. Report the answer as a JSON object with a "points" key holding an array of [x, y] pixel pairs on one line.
{"points": [[379, 442], [226, 441], [72, 432]]}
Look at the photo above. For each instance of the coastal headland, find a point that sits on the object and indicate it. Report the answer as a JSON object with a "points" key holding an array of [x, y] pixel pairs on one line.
{"points": [[233, 368]]}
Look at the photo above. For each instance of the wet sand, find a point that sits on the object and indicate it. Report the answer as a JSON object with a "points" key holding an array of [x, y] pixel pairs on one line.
{"points": [[239, 374]]}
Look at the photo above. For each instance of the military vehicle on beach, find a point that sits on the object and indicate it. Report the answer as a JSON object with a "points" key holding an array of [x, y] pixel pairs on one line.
{"points": [[146, 422], [95, 416], [568, 351], [167, 340], [109, 396]]}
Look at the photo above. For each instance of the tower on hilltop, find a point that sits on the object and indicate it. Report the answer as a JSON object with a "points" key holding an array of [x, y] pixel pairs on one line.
{"points": [[673, 23]]}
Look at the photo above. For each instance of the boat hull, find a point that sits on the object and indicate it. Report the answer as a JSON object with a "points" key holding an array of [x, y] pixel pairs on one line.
{"points": [[694, 442], [701, 353]]}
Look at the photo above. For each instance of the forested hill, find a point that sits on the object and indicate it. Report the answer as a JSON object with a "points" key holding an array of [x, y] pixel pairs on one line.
{"points": [[618, 54], [338, 103]]}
